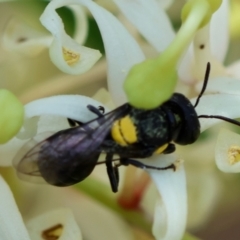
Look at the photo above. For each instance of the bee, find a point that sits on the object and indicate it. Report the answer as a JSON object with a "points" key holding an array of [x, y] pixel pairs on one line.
{"points": [[69, 156]]}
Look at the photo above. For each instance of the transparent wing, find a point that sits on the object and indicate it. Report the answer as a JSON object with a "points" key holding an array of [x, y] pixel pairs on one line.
{"points": [[68, 156]]}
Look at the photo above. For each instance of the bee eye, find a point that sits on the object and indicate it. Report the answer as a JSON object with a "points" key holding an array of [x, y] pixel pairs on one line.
{"points": [[101, 109]]}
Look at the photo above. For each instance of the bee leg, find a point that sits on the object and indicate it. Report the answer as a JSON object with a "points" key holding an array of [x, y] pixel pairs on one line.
{"points": [[112, 172], [128, 161], [98, 111]]}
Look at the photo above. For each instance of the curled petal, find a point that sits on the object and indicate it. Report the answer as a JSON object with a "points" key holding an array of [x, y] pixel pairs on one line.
{"points": [[12, 226], [20, 37], [171, 213], [122, 51], [59, 224], [81, 23], [150, 19], [227, 151], [226, 105], [65, 52]]}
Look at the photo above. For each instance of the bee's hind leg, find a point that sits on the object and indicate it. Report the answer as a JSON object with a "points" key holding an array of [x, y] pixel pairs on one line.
{"points": [[112, 171]]}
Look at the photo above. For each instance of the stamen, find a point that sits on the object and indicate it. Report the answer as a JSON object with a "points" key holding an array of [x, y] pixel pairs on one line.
{"points": [[53, 233], [70, 57], [234, 154]]}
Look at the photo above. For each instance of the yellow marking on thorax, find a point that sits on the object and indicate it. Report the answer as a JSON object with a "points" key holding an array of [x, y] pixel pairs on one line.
{"points": [[161, 149], [124, 131]]}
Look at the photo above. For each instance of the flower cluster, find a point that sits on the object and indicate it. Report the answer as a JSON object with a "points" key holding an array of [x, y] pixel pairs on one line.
{"points": [[144, 60]]}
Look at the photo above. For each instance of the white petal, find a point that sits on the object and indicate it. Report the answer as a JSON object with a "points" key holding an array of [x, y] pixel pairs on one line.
{"points": [[165, 4], [221, 85], [227, 151], [193, 64], [81, 23], [219, 28], [66, 106], [69, 106], [94, 220], [185, 66], [122, 51], [79, 59], [12, 226], [150, 19], [203, 55], [226, 105], [171, 213], [20, 37], [62, 219]]}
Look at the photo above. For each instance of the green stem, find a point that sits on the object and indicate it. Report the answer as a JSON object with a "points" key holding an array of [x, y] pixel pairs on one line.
{"points": [[186, 33], [101, 193]]}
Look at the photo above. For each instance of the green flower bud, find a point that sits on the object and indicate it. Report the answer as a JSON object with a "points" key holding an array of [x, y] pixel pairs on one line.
{"points": [[12, 115]]}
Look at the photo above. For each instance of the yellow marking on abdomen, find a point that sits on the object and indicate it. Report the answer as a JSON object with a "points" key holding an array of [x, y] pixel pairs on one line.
{"points": [[161, 149], [124, 131]]}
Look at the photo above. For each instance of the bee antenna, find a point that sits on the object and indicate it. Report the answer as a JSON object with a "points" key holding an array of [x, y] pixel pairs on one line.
{"points": [[204, 83], [235, 122]]}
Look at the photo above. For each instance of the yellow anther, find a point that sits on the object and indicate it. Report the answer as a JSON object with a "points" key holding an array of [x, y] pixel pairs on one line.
{"points": [[54, 232], [234, 154], [70, 57]]}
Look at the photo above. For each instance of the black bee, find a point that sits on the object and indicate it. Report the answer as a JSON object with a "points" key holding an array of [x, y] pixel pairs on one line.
{"points": [[70, 155]]}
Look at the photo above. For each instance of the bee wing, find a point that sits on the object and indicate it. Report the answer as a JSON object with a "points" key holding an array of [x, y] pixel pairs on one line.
{"points": [[68, 156]]}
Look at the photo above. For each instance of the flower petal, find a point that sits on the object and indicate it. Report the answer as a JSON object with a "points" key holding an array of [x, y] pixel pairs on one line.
{"points": [[81, 23], [219, 28], [172, 187], [59, 108], [171, 213], [12, 226], [122, 51], [221, 85], [207, 48], [165, 4], [65, 52], [234, 69], [59, 224], [227, 151], [20, 37], [226, 105], [150, 19], [69, 106]]}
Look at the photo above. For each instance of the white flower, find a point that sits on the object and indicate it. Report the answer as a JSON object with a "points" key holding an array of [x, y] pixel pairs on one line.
{"points": [[12, 226], [122, 52]]}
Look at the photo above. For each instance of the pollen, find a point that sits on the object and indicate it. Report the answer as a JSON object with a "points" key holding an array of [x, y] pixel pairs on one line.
{"points": [[70, 57], [234, 154], [53, 233]]}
